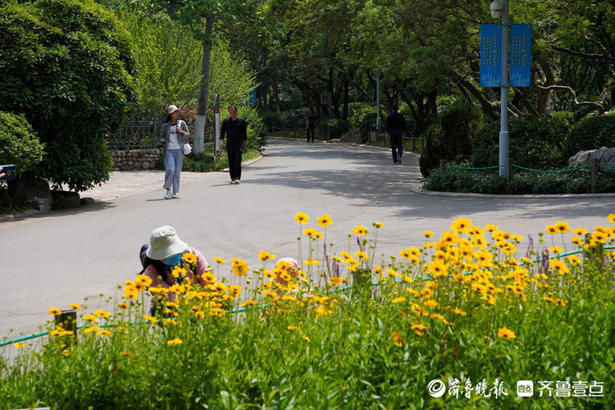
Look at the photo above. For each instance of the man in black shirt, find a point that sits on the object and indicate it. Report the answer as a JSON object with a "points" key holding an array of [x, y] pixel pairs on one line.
{"points": [[237, 131], [396, 128]]}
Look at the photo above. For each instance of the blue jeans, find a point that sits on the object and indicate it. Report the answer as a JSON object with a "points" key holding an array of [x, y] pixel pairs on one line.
{"points": [[173, 161]]}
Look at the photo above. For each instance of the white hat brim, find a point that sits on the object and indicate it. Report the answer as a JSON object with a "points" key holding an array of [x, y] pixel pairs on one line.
{"points": [[177, 246]]}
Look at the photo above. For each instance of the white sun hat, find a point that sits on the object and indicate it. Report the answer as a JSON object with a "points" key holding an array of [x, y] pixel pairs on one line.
{"points": [[172, 109], [165, 242]]}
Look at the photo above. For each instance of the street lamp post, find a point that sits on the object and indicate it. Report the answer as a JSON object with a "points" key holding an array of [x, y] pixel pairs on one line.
{"points": [[500, 9]]}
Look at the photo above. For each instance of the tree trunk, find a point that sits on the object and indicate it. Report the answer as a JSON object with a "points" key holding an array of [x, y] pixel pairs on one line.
{"points": [[201, 114]]}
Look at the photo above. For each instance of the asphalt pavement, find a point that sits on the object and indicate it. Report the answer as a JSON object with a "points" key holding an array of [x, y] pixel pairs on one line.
{"points": [[63, 256]]}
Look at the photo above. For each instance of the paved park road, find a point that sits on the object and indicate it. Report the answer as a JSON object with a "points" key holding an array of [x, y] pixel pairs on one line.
{"points": [[60, 258]]}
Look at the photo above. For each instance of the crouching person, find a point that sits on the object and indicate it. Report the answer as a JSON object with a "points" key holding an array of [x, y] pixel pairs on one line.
{"points": [[170, 263]]}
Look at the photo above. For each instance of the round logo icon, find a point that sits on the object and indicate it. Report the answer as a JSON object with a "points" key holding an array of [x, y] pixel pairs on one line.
{"points": [[436, 388]]}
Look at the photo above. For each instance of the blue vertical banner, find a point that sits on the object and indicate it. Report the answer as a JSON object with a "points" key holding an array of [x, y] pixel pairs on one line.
{"points": [[490, 55], [520, 55]]}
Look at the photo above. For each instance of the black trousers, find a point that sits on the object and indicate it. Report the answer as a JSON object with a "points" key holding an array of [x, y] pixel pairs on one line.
{"points": [[310, 130], [234, 162], [397, 146]]}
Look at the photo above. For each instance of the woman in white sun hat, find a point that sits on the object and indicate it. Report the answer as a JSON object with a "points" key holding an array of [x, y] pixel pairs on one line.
{"points": [[166, 252], [173, 135]]}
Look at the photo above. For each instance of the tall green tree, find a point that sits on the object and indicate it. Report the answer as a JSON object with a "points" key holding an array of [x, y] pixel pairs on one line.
{"points": [[202, 18], [67, 66]]}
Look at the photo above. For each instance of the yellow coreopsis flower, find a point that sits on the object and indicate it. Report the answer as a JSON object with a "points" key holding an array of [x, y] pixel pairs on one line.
{"points": [[54, 311], [580, 231], [360, 230], [123, 305], [75, 306], [263, 256], [248, 303], [397, 300], [19, 345], [150, 319], [337, 280], [377, 225], [428, 234], [102, 314], [240, 267], [562, 227], [219, 261], [491, 228], [208, 278], [90, 318], [103, 332], [234, 290], [307, 339], [397, 338], [189, 257], [324, 220], [550, 229], [294, 328], [302, 218], [310, 261], [506, 333], [577, 240], [91, 329], [438, 268], [559, 266], [611, 218], [361, 255], [573, 259], [461, 224], [176, 341]]}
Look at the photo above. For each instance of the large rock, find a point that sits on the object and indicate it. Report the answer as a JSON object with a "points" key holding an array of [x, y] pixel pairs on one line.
{"points": [[604, 155]]}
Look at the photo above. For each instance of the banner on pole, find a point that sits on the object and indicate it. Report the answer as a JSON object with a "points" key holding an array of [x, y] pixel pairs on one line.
{"points": [[490, 55], [520, 55]]}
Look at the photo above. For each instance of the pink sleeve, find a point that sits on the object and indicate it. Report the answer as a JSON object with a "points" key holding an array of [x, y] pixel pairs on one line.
{"points": [[201, 265], [153, 274]]}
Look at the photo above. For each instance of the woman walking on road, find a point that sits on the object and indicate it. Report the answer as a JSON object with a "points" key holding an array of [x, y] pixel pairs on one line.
{"points": [[173, 135]]}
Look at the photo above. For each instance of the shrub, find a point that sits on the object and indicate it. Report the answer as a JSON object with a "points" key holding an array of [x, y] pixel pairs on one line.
{"points": [[337, 127], [450, 137], [294, 119], [271, 119], [488, 182], [362, 117], [535, 142], [590, 133], [257, 133], [68, 67], [19, 144]]}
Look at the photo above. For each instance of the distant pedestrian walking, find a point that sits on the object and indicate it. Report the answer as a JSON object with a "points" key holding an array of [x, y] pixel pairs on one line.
{"points": [[236, 129], [174, 134], [396, 128], [311, 124]]}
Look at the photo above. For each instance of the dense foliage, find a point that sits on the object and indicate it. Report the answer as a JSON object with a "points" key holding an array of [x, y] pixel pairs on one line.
{"points": [[19, 143], [68, 68]]}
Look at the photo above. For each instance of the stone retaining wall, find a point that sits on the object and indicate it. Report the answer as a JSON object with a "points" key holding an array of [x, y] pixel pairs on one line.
{"points": [[135, 159]]}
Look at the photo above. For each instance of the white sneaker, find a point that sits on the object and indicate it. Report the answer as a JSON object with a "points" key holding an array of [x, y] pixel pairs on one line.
{"points": [[175, 196], [168, 194]]}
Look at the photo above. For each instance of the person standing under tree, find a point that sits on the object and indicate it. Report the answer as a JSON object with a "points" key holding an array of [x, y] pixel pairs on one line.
{"points": [[310, 123], [236, 129], [396, 128]]}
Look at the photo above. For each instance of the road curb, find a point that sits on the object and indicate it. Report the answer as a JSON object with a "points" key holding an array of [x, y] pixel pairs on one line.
{"points": [[419, 190], [20, 215]]}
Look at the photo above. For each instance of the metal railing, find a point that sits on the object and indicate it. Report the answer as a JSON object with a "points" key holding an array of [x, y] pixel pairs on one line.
{"points": [[135, 134]]}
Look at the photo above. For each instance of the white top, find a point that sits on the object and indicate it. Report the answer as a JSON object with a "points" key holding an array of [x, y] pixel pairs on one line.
{"points": [[173, 141]]}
